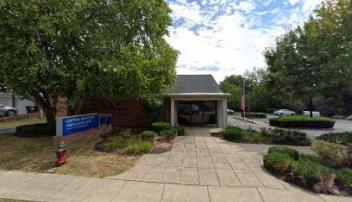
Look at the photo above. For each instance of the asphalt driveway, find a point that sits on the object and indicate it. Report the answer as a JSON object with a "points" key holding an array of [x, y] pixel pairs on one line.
{"points": [[7, 131], [340, 125]]}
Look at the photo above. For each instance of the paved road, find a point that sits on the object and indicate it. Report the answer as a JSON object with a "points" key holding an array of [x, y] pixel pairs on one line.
{"points": [[340, 125], [7, 131], [198, 168]]}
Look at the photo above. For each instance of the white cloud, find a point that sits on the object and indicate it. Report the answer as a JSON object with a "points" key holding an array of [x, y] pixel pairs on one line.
{"points": [[293, 2], [190, 13], [232, 41], [245, 6], [310, 5]]}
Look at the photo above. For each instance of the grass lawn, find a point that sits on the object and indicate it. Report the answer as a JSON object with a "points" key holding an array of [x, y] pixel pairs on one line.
{"points": [[37, 155], [15, 123]]}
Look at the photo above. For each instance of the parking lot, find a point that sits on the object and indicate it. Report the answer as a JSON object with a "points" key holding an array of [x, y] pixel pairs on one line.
{"points": [[340, 125]]}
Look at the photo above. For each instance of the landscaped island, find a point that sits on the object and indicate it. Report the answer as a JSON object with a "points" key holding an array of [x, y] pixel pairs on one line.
{"points": [[266, 136], [301, 121], [327, 172]]}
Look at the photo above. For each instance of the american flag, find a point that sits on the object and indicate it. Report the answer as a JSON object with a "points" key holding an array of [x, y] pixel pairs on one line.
{"points": [[243, 97]]}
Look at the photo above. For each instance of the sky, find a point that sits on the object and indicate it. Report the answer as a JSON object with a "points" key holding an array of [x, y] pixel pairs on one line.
{"points": [[225, 37]]}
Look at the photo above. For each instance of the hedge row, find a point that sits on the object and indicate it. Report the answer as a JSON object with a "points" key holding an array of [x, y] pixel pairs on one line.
{"points": [[306, 170], [271, 136], [302, 122], [339, 138], [254, 115], [35, 130]]}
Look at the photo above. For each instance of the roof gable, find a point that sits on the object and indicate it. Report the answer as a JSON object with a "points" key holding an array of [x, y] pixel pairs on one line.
{"points": [[196, 84]]}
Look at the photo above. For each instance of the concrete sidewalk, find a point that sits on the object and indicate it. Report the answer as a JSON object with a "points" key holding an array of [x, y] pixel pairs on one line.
{"points": [[51, 187], [198, 168]]}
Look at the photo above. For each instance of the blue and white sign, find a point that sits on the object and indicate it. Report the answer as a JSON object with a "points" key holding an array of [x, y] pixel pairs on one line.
{"points": [[74, 124]]}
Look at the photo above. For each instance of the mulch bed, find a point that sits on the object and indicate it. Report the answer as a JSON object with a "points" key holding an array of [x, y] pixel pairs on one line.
{"points": [[162, 144]]}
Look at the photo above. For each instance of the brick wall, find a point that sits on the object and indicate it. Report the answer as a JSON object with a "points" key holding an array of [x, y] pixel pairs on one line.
{"points": [[167, 110], [126, 112]]}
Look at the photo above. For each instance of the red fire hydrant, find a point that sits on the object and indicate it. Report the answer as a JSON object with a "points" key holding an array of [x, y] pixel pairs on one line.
{"points": [[60, 153]]}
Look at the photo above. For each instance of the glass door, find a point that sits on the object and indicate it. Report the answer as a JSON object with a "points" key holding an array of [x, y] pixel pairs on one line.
{"points": [[196, 112]]}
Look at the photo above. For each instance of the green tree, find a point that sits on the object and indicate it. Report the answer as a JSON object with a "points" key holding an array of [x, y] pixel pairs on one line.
{"points": [[313, 60], [233, 85], [257, 93], [85, 48]]}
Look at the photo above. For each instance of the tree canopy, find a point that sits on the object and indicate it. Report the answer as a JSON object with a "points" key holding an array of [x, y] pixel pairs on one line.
{"points": [[309, 61], [257, 92], [315, 59], [79, 49]]}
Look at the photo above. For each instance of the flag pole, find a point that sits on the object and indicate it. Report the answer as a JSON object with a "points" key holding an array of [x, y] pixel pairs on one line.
{"points": [[244, 95]]}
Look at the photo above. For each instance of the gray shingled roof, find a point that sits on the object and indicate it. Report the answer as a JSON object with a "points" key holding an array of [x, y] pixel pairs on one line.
{"points": [[196, 84]]}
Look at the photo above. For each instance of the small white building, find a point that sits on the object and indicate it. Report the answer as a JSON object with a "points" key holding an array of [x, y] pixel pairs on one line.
{"points": [[16, 101], [196, 100]]}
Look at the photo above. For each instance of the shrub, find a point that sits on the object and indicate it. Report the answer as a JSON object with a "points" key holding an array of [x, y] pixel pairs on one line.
{"points": [[148, 135], [297, 138], [302, 122], [276, 162], [344, 178], [275, 136], [285, 150], [254, 115], [233, 134], [180, 130], [289, 137], [159, 126], [114, 143], [126, 133], [309, 172], [39, 129], [170, 133], [138, 148], [331, 154], [254, 137], [309, 157], [340, 138]]}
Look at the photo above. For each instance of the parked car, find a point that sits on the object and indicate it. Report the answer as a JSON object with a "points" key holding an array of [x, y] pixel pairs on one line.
{"points": [[230, 111], [7, 110], [283, 112]]}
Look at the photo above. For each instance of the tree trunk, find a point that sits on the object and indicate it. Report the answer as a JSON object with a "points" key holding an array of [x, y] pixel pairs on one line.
{"points": [[48, 106], [13, 99], [310, 107], [50, 116]]}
